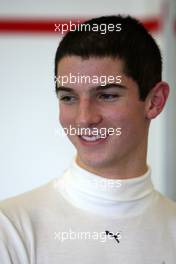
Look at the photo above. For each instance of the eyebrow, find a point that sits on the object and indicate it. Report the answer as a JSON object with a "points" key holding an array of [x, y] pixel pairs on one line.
{"points": [[97, 88]]}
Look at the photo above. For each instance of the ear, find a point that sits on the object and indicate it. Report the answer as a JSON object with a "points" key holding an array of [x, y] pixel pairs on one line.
{"points": [[156, 100]]}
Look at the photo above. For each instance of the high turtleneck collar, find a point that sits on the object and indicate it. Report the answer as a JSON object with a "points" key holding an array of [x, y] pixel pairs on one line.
{"points": [[105, 196]]}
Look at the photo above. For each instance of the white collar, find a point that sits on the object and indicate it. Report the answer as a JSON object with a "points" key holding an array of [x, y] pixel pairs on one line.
{"points": [[111, 197]]}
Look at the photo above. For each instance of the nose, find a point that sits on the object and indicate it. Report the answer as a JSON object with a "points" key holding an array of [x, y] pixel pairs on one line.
{"points": [[88, 114]]}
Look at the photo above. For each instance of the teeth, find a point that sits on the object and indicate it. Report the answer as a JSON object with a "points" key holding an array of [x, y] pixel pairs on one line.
{"points": [[91, 138]]}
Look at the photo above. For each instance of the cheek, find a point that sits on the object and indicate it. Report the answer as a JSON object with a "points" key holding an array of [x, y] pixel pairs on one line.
{"points": [[130, 121], [65, 116], [61, 118], [133, 126], [117, 117]]}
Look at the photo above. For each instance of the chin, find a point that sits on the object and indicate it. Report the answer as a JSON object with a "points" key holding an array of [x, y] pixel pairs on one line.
{"points": [[93, 160]]}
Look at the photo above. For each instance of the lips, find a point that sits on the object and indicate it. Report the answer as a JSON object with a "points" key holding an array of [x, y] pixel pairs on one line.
{"points": [[92, 139]]}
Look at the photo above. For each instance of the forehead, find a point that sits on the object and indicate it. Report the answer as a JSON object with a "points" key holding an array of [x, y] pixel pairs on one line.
{"points": [[91, 66], [94, 66]]}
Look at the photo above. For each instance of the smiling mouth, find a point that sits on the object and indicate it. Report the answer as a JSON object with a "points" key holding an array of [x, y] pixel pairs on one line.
{"points": [[93, 139]]}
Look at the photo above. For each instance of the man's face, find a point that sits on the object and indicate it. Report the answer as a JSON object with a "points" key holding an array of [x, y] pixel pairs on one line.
{"points": [[91, 106]]}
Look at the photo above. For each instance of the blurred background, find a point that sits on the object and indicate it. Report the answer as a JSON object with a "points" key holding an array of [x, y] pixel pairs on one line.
{"points": [[31, 152]]}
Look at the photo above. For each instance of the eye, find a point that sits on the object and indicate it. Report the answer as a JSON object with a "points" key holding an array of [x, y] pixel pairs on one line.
{"points": [[108, 97], [67, 99]]}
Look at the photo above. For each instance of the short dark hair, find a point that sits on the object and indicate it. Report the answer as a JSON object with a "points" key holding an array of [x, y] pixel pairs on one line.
{"points": [[133, 44]]}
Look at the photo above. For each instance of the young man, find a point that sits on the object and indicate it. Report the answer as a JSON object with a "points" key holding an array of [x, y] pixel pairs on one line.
{"points": [[104, 208]]}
